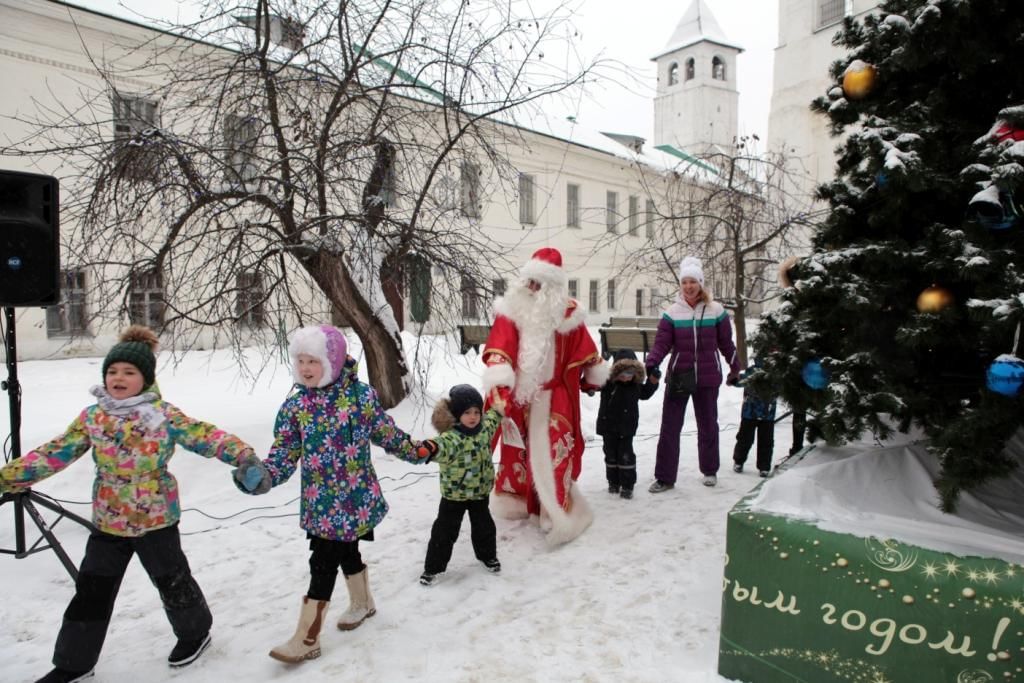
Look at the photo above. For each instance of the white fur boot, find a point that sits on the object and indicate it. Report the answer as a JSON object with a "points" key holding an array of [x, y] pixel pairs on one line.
{"points": [[305, 644], [360, 601]]}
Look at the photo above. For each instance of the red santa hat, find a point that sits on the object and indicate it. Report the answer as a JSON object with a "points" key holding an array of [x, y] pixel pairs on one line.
{"points": [[545, 266]]}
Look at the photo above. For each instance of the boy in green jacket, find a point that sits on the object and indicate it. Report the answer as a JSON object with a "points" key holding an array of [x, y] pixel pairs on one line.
{"points": [[463, 451]]}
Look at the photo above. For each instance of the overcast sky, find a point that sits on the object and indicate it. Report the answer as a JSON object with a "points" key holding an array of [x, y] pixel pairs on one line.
{"points": [[630, 32]]}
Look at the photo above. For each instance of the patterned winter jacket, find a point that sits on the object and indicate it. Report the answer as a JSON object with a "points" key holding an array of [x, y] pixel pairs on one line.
{"points": [[134, 492], [467, 466], [755, 407], [329, 430], [694, 336]]}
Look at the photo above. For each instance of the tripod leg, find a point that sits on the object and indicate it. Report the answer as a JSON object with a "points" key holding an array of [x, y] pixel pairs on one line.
{"points": [[50, 505], [55, 545]]}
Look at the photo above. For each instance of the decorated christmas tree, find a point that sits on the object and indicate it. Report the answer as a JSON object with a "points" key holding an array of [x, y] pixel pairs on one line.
{"points": [[906, 315]]}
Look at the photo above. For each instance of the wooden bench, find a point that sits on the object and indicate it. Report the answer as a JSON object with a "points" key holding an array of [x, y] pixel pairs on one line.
{"points": [[638, 339], [642, 322], [472, 336]]}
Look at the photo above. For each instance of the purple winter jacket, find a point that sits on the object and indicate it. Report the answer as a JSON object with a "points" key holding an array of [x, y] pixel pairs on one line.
{"points": [[702, 331]]}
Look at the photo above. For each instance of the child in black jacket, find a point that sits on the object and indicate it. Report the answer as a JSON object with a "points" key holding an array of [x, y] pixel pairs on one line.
{"points": [[618, 416]]}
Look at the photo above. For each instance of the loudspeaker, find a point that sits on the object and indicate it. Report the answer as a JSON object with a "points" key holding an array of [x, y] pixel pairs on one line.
{"points": [[29, 244]]}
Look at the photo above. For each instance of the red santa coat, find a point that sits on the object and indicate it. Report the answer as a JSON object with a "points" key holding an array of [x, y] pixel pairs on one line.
{"points": [[543, 376]]}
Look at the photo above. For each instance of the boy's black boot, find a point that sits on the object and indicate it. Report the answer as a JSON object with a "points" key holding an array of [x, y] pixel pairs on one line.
{"points": [[188, 651], [626, 493], [59, 675]]}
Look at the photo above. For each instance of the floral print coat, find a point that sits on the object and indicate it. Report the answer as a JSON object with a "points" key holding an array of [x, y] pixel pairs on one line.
{"points": [[327, 432], [133, 492]]}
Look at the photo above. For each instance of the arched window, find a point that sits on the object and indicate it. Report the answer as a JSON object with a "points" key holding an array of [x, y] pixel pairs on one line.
{"points": [[673, 73], [690, 69], [718, 68]]}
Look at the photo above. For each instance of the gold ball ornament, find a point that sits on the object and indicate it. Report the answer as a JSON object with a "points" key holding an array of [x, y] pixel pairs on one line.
{"points": [[859, 79], [934, 299]]}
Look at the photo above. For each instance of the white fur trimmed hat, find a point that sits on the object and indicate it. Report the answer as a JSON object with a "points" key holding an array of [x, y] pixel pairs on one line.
{"points": [[691, 267], [323, 342], [545, 266]]}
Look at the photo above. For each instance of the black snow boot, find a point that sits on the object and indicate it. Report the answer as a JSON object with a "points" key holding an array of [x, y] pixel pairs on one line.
{"points": [[64, 676], [188, 651]]}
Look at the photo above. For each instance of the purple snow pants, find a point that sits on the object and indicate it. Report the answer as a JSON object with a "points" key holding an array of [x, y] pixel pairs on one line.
{"points": [[673, 412]]}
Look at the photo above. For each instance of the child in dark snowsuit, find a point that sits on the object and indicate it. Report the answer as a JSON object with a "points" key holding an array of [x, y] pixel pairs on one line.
{"points": [[463, 450], [758, 416], [618, 416]]}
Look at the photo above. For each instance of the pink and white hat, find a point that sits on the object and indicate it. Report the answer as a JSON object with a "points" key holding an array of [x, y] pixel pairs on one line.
{"points": [[323, 342]]}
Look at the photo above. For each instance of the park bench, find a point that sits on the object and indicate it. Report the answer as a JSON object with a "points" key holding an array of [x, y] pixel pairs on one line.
{"points": [[472, 336], [636, 321], [637, 339]]}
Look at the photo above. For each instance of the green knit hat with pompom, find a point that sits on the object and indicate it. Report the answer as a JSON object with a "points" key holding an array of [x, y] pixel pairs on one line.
{"points": [[136, 347]]}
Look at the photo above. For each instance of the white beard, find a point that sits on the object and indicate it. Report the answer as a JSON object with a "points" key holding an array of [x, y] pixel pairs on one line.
{"points": [[537, 316]]}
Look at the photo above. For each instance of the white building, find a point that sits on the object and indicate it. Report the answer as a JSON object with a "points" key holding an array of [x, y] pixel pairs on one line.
{"points": [[576, 185]]}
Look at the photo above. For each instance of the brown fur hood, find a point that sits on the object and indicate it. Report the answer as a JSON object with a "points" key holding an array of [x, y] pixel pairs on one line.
{"points": [[628, 364], [442, 419]]}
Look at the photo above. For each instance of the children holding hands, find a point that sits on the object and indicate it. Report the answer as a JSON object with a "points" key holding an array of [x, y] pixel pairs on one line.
{"points": [[463, 451], [132, 432], [325, 428]]}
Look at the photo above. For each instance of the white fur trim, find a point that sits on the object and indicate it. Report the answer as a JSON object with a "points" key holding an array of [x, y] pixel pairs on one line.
{"points": [[576, 318], [597, 374], [498, 375], [544, 273], [313, 342], [564, 526], [508, 506]]}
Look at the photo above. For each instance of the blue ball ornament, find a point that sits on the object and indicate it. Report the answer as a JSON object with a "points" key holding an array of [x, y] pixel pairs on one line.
{"points": [[1005, 376], [814, 374]]}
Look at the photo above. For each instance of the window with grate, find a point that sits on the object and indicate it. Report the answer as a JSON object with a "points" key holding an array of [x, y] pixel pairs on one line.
{"points": [[634, 215], [832, 12], [526, 215], [249, 308], [240, 134], [612, 295], [470, 298], [572, 205], [593, 296], [470, 175], [639, 302], [135, 118], [574, 289], [611, 210], [69, 316], [146, 299]]}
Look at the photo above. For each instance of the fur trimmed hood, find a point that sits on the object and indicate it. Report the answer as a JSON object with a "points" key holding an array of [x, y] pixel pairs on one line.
{"points": [[639, 376], [442, 418]]}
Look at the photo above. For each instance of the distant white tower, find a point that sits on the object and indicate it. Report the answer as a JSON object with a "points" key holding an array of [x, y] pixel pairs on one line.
{"points": [[696, 104]]}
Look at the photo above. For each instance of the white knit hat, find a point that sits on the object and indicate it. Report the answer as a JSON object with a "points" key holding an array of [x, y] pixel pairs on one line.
{"points": [[691, 267]]}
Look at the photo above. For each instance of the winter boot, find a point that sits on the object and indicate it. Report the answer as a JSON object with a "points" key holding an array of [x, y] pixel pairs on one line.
{"points": [[59, 675], [187, 651], [360, 602], [305, 644]]}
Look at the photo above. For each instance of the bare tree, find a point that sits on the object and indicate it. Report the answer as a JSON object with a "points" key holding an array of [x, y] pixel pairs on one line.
{"points": [[740, 212], [278, 155]]}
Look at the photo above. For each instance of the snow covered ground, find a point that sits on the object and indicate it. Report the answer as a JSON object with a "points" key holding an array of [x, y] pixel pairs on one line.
{"points": [[635, 598]]}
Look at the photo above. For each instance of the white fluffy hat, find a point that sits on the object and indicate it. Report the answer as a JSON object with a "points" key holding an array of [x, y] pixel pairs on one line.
{"points": [[325, 343], [691, 267]]}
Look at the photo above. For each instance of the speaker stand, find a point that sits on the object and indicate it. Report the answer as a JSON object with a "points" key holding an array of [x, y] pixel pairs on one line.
{"points": [[26, 501]]}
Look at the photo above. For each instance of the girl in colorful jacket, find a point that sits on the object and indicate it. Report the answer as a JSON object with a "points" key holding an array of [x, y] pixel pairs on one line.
{"points": [[692, 332], [463, 450], [325, 427], [135, 507]]}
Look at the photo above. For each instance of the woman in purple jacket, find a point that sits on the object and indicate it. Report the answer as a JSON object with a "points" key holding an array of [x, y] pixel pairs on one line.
{"points": [[692, 332]]}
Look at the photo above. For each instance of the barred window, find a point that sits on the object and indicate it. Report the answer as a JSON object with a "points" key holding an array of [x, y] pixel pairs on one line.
{"points": [[639, 302], [134, 116], [572, 205], [249, 310], [470, 298], [593, 296], [146, 299], [612, 295], [832, 12], [240, 133], [526, 209], [69, 316], [574, 289], [634, 215]]}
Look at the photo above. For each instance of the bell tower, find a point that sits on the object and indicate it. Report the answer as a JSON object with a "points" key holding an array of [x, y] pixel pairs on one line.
{"points": [[696, 104]]}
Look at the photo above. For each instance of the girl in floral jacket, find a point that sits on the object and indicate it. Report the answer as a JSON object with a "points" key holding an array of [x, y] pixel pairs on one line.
{"points": [[135, 507], [325, 427]]}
